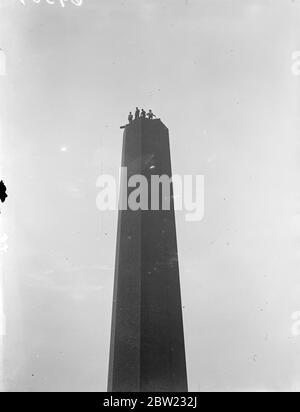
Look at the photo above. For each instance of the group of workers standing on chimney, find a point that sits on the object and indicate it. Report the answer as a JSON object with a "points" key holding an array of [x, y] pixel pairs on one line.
{"points": [[141, 114]]}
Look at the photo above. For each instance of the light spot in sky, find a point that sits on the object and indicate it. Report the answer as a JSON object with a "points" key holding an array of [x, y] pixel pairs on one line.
{"points": [[63, 149], [255, 8], [75, 191], [3, 243], [2, 63]]}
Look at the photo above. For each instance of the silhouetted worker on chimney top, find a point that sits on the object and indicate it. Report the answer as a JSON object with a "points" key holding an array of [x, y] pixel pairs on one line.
{"points": [[130, 117], [143, 114], [150, 115], [137, 113]]}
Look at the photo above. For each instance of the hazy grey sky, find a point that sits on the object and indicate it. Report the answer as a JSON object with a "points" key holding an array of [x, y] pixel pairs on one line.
{"points": [[218, 72]]}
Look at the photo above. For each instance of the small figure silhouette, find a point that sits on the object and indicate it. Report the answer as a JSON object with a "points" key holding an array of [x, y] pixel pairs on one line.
{"points": [[143, 114], [130, 117], [3, 194], [150, 115], [137, 113]]}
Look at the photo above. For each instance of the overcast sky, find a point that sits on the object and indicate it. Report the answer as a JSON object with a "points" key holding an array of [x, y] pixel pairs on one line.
{"points": [[218, 73]]}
